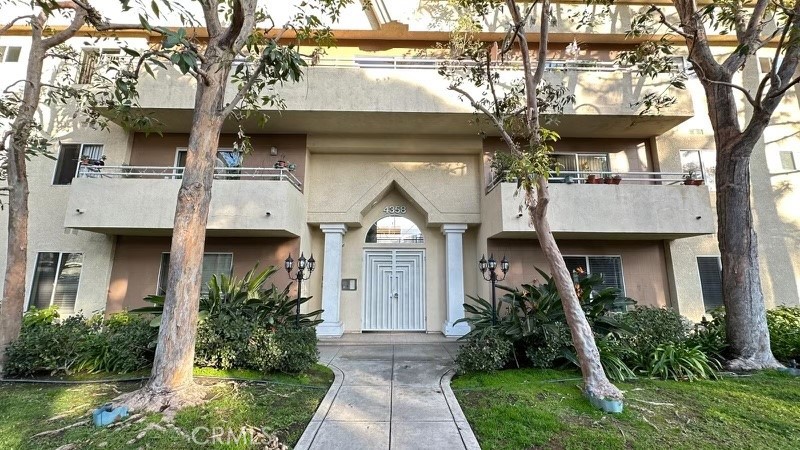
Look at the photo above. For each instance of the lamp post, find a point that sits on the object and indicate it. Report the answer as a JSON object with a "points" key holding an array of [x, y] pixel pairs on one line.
{"points": [[491, 265], [300, 276]]}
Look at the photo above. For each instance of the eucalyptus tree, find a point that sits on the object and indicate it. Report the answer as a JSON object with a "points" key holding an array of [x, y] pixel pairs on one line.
{"points": [[23, 135], [241, 32], [739, 113], [515, 108]]}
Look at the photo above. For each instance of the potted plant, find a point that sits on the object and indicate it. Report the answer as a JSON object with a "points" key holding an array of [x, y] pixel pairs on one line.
{"points": [[590, 179], [689, 178], [616, 179], [281, 163], [607, 179]]}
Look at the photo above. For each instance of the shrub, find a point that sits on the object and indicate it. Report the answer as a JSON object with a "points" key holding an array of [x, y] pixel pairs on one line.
{"points": [[47, 347], [35, 316], [487, 352], [120, 344], [784, 332], [298, 349], [222, 341], [548, 345], [648, 328], [709, 337], [681, 362], [263, 351]]}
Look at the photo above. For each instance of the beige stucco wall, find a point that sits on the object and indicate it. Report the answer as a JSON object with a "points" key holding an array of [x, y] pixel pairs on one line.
{"points": [[644, 269], [137, 262]]}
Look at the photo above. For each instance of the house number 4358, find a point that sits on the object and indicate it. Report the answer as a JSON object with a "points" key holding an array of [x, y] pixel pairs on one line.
{"points": [[395, 210]]}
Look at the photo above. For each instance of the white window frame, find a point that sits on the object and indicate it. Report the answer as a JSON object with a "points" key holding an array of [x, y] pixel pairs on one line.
{"points": [[4, 58], [711, 186], [61, 254], [178, 151], [621, 266], [700, 278], [161, 258], [579, 154], [80, 154]]}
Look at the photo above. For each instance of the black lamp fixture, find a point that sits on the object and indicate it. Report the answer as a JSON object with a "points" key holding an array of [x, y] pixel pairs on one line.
{"points": [[300, 276], [491, 265]]}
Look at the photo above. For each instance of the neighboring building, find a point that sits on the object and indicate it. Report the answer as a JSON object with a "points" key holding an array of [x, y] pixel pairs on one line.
{"points": [[391, 188]]}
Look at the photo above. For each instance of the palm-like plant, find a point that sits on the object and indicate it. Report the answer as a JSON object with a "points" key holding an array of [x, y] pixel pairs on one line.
{"points": [[244, 297]]}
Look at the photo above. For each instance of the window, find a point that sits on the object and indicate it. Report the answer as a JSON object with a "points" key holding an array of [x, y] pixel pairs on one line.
{"points": [[608, 266], [226, 158], [69, 157], [10, 54], [213, 263], [90, 58], [787, 161], [394, 230], [710, 269], [583, 163], [55, 281], [703, 163]]}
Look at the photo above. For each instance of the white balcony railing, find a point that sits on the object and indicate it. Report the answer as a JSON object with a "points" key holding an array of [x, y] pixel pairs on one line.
{"points": [[220, 173], [583, 177]]}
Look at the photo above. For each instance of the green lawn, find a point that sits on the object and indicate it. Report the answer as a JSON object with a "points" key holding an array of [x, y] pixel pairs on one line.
{"points": [[527, 408], [282, 407]]}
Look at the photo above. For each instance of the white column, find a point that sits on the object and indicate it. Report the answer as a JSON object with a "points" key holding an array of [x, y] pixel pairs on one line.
{"points": [[454, 285], [332, 280]]}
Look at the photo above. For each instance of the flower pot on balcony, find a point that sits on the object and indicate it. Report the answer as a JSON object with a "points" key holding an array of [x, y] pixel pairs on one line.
{"points": [[616, 179], [608, 180], [590, 179], [688, 181], [281, 164], [697, 182]]}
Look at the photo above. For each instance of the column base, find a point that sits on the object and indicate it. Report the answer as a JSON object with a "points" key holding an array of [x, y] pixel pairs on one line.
{"points": [[457, 330], [330, 330]]}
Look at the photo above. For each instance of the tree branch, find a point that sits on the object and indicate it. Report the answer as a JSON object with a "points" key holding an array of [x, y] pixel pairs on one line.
{"points": [[663, 20], [10, 24], [211, 16], [495, 120], [77, 22]]}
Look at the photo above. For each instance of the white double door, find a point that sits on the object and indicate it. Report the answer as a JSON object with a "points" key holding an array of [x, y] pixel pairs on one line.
{"points": [[394, 290]]}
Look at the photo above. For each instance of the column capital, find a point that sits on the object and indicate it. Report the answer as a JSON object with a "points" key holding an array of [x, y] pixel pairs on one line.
{"points": [[333, 228], [454, 228]]}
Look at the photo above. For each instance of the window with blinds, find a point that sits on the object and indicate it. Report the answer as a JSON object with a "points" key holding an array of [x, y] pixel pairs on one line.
{"points": [[69, 161], [585, 163], [55, 281], [213, 263], [608, 266], [710, 269]]}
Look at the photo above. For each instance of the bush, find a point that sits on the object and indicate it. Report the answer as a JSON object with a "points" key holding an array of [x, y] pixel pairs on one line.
{"points": [[298, 349], [52, 348], [681, 362], [784, 332], [709, 337], [648, 328], [263, 352], [487, 352], [122, 343], [222, 341], [546, 346]]}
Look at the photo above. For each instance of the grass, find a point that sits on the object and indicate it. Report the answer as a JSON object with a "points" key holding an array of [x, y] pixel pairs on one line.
{"points": [[282, 407], [529, 408]]}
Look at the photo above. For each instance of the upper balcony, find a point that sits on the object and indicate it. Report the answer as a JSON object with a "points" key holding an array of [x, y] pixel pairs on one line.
{"points": [[140, 200], [407, 95], [637, 205]]}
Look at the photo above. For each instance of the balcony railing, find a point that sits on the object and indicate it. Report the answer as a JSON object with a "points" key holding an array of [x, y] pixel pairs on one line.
{"points": [[220, 173], [582, 177]]}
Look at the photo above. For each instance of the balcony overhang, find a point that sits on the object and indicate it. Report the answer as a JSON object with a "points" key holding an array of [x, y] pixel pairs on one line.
{"points": [[333, 99], [146, 207], [588, 211]]}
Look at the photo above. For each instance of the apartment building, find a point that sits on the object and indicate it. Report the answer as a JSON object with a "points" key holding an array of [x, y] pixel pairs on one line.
{"points": [[379, 171]]}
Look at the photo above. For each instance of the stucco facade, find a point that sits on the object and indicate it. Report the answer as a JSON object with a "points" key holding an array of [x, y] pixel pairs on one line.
{"points": [[367, 142]]}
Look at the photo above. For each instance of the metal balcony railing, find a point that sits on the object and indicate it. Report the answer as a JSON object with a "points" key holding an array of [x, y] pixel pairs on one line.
{"points": [[160, 172], [583, 177]]}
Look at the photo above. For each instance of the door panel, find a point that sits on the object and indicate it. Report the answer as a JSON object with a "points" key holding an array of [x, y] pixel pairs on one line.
{"points": [[394, 290]]}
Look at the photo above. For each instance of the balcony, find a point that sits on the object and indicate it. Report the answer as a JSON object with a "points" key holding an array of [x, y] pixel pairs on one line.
{"points": [[644, 205], [407, 95], [139, 200]]}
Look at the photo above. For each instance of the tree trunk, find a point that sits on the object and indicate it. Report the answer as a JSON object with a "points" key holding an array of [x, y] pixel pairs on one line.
{"points": [[745, 311], [596, 384], [17, 252], [171, 386]]}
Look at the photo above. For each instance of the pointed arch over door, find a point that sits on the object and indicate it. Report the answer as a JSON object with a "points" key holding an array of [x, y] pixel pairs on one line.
{"points": [[394, 230]]}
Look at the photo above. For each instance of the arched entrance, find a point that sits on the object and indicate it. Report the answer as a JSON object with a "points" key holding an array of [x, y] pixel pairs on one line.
{"points": [[394, 276]]}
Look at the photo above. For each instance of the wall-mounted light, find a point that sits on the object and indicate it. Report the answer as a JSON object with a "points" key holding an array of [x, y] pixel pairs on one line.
{"points": [[80, 211], [273, 151], [268, 214]]}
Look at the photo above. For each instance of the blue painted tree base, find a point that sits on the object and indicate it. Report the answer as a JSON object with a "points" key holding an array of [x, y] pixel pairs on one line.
{"points": [[106, 415], [791, 371], [608, 405]]}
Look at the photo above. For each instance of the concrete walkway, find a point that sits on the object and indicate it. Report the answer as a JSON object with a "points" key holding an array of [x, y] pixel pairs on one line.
{"points": [[393, 394]]}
